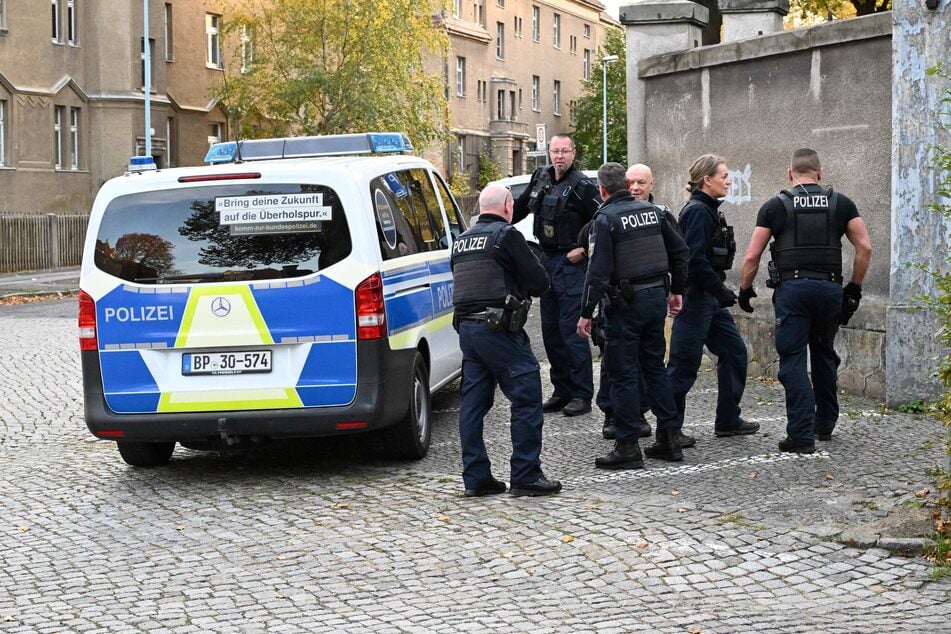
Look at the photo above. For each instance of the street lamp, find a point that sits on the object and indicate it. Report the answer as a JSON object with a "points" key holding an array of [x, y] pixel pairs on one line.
{"points": [[607, 59]]}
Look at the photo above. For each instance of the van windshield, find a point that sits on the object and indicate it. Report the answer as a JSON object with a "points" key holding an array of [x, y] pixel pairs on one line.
{"points": [[222, 233]]}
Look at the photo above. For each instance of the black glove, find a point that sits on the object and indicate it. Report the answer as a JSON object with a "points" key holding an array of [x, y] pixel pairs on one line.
{"points": [[725, 297], [851, 296], [746, 294]]}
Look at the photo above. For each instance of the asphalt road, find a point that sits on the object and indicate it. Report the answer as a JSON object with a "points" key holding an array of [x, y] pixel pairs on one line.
{"points": [[335, 537]]}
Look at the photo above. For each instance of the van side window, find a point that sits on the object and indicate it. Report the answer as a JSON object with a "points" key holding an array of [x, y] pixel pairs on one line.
{"points": [[409, 221], [456, 223]]}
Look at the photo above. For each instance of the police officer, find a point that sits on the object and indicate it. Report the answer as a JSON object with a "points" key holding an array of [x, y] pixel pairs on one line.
{"points": [[632, 250], [493, 272], [563, 200], [806, 224], [705, 319]]}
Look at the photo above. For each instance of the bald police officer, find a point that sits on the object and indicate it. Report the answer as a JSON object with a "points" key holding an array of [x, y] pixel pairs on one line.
{"points": [[494, 272], [806, 224], [632, 250], [563, 200]]}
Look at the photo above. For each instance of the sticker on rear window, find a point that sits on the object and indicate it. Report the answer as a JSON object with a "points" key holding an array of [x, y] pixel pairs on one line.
{"points": [[272, 213]]}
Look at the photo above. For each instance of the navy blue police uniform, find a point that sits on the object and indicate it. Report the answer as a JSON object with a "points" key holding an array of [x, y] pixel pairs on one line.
{"points": [[807, 224], [561, 208], [705, 320], [632, 250], [490, 262]]}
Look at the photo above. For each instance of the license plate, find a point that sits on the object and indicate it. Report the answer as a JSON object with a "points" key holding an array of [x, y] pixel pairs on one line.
{"points": [[226, 362]]}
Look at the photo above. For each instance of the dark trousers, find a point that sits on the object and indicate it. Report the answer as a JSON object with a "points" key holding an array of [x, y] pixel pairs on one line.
{"points": [[569, 354], [702, 322], [504, 359], [635, 355], [807, 317]]}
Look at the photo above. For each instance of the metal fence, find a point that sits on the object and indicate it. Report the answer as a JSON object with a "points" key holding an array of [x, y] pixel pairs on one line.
{"points": [[41, 241]]}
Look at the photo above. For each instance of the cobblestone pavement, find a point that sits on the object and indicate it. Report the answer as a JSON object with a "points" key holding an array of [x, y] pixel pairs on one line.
{"points": [[327, 536]]}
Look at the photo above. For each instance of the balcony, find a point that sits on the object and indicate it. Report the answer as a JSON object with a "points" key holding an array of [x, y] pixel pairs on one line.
{"points": [[507, 126]]}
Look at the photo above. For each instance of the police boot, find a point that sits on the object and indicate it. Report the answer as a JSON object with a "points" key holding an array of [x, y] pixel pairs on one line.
{"points": [[666, 446], [609, 431], [643, 427], [625, 455]]}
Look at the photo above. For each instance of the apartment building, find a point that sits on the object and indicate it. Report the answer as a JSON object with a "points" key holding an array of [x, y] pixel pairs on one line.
{"points": [[515, 69], [72, 98]]}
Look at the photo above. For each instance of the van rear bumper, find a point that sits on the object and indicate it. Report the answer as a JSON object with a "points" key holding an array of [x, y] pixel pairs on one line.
{"points": [[384, 386]]}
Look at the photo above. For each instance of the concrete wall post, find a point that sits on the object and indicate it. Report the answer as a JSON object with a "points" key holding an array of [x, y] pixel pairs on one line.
{"points": [[751, 18]]}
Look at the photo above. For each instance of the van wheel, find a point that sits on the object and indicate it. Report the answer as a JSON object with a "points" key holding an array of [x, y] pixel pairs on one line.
{"points": [[410, 437], [145, 454]]}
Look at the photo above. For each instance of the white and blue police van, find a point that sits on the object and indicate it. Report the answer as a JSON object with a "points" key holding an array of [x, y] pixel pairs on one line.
{"points": [[290, 288]]}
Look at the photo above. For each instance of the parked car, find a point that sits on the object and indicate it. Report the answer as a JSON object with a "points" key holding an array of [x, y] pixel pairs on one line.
{"points": [[292, 288]]}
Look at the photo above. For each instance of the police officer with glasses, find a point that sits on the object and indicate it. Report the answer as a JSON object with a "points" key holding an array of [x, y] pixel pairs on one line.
{"points": [[632, 250], [705, 320], [494, 274], [563, 200], [806, 224]]}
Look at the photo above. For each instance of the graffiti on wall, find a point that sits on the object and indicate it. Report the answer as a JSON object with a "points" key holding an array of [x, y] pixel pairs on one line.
{"points": [[740, 189]]}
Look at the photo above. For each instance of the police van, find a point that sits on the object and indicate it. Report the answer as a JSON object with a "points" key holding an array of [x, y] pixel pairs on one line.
{"points": [[294, 287]]}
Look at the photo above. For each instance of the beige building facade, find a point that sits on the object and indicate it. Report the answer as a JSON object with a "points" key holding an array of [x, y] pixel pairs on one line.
{"points": [[72, 99], [515, 69]]}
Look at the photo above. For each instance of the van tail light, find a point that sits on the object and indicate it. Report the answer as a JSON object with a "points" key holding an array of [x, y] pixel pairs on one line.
{"points": [[87, 322], [371, 316]]}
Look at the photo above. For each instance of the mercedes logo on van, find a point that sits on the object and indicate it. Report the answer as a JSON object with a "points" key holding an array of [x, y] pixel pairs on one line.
{"points": [[220, 307]]}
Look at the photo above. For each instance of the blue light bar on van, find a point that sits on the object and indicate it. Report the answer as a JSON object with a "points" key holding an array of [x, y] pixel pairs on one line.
{"points": [[308, 146]]}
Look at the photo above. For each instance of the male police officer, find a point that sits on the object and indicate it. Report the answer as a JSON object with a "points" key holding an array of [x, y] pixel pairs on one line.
{"points": [[632, 250], [493, 270], [807, 223], [563, 200]]}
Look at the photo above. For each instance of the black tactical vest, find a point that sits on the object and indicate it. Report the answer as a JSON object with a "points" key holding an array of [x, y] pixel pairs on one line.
{"points": [[478, 277], [809, 237], [556, 209], [722, 246], [639, 250]]}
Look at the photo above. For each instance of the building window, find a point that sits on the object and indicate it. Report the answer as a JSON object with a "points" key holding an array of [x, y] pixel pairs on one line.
{"points": [[587, 31], [535, 82], [58, 137], [212, 33], [3, 15], [482, 90], [247, 48], [142, 63], [518, 26], [215, 132], [57, 29], [3, 127], [512, 116], [170, 142], [456, 8], [556, 98], [586, 66], [573, 44], [556, 31], [478, 12], [500, 40], [74, 138], [500, 105], [519, 98], [72, 32], [536, 24], [168, 32], [500, 3], [460, 76]]}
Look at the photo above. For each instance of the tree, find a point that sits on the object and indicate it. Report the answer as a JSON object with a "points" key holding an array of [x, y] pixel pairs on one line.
{"points": [[489, 169], [587, 112], [809, 12], [337, 66], [147, 250]]}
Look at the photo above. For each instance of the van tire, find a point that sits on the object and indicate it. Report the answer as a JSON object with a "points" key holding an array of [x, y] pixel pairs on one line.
{"points": [[145, 454], [409, 439]]}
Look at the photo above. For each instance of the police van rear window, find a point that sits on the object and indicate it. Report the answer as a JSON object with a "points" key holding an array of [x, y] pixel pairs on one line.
{"points": [[222, 233]]}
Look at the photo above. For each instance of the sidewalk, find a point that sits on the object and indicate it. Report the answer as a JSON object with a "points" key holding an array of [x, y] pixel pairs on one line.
{"points": [[63, 280]]}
